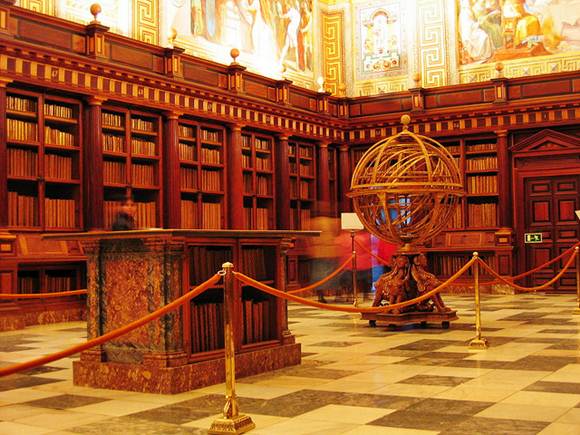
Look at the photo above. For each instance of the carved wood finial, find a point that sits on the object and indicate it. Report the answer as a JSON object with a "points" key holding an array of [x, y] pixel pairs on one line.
{"points": [[234, 53], [499, 69], [96, 9]]}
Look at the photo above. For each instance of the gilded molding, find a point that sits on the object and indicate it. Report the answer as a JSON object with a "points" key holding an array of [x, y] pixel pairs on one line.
{"points": [[333, 49], [43, 6], [146, 21], [433, 59]]}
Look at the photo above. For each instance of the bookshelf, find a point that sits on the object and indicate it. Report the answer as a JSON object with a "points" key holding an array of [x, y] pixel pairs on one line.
{"points": [[258, 181], [257, 313], [333, 179], [201, 175], [131, 164], [43, 161], [51, 278], [302, 161]]}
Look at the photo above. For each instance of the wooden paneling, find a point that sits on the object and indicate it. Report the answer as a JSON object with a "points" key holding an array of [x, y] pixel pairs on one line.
{"points": [[44, 35]]}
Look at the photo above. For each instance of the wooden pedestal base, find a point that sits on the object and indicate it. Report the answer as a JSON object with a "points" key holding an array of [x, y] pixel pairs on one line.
{"points": [[413, 317], [187, 377]]}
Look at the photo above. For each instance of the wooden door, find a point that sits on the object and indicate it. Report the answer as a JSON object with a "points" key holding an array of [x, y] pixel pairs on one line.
{"points": [[550, 203]]}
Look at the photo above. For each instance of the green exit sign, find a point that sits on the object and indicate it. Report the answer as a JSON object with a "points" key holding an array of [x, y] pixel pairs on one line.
{"points": [[533, 237]]}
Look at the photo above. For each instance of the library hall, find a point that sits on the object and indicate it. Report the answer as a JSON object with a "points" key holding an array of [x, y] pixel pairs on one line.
{"points": [[290, 217]]}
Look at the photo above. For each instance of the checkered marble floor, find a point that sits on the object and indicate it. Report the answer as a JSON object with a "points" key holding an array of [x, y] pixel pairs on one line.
{"points": [[353, 379]]}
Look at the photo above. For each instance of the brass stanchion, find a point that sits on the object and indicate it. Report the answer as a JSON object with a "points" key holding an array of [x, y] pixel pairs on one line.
{"points": [[577, 253], [478, 342], [232, 422], [354, 284]]}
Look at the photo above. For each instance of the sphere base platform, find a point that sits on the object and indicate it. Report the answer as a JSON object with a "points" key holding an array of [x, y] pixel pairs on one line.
{"points": [[421, 318]]}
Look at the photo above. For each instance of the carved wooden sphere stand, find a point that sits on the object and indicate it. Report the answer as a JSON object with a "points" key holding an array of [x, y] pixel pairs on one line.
{"points": [[405, 189]]}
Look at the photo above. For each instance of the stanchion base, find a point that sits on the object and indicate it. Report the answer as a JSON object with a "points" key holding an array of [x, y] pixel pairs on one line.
{"points": [[420, 318], [478, 343], [576, 311], [239, 424]]}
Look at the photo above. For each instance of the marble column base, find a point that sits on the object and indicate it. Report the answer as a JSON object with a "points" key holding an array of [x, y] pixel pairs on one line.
{"points": [[171, 380]]}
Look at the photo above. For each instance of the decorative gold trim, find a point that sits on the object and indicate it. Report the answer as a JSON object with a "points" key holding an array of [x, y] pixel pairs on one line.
{"points": [[333, 49], [146, 21]]}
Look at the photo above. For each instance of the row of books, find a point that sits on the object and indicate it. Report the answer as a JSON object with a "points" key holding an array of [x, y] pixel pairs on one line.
{"points": [[482, 215], [58, 166], [112, 119], [211, 215], [55, 136], [60, 283], [257, 321], [300, 220], [207, 331], [189, 214], [28, 284], [186, 131], [114, 172], [481, 163], [482, 184], [23, 210], [110, 210], [58, 111], [146, 214], [187, 152], [211, 155], [22, 130], [257, 264], [142, 146], [210, 135], [453, 149], [206, 261], [142, 124], [143, 174], [301, 190], [481, 147], [262, 144], [188, 177], [20, 104], [263, 185], [456, 220], [211, 180], [258, 218], [59, 213], [22, 162], [113, 143], [248, 184]]}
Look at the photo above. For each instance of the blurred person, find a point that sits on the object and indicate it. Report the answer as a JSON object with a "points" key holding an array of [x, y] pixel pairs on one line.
{"points": [[125, 217], [323, 251]]}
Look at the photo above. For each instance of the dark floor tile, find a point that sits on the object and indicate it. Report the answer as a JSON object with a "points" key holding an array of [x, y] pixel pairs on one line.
{"points": [[369, 400], [131, 425], [559, 331], [473, 364], [447, 355], [427, 345], [525, 316], [444, 406], [450, 381], [305, 354], [174, 414], [41, 369], [537, 362], [399, 352], [554, 322], [426, 361], [14, 347], [20, 381], [213, 403], [336, 343], [538, 340], [555, 387], [419, 420], [486, 426], [471, 327], [565, 344], [65, 401], [315, 372]]}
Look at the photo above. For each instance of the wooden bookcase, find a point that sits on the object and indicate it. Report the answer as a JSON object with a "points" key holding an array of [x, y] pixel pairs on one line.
{"points": [[131, 163], [475, 220], [258, 181], [302, 160], [51, 278], [43, 161], [201, 174]]}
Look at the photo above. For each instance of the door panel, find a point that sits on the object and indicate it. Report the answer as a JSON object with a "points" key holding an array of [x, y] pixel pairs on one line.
{"points": [[550, 203]]}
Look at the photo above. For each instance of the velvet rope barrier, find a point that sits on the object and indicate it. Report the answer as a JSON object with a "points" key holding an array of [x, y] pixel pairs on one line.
{"points": [[324, 280], [368, 251], [531, 289], [5, 371], [535, 269], [348, 309], [42, 295]]}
